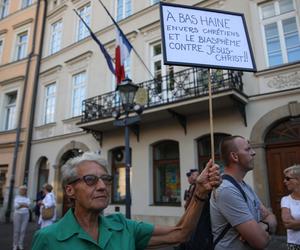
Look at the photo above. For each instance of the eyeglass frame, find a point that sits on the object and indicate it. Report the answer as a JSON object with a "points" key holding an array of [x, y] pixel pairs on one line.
{"points": [[287, 178], [83, 178]]}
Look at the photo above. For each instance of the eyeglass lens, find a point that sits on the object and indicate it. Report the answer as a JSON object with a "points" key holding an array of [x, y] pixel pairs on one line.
{"points": [[91, 180], [288, 178]]}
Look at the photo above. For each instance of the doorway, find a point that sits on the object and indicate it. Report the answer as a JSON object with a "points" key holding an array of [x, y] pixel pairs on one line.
{"points": [[282, 151]]}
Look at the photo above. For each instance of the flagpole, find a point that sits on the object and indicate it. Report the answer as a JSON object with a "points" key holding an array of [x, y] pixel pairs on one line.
{"points": [[118, 27]]}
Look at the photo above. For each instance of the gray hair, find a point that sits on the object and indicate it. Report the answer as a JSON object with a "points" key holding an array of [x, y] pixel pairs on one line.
{"points": [[69, 170], [294, 170]]}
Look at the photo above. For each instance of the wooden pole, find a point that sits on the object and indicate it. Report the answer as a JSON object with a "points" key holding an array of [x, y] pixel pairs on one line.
{"points": [[211, 123]]}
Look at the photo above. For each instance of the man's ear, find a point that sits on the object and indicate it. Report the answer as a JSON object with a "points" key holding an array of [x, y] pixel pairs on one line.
{"points": [[70, 191], [234, 156]]}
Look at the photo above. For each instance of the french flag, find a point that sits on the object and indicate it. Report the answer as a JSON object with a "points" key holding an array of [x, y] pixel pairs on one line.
{"points": [[123, 49]]}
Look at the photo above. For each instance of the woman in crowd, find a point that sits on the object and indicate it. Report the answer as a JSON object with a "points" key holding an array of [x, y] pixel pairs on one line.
{"points": [[87, 183], [21, 217], [290, 207], [48, 202]]}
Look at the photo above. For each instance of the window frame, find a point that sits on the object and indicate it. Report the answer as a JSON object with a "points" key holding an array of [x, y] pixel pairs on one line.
{"points": [[54, 45], [82, 86], [278, 19], [10, 120], [156, 165], [125, 12], [21, 46], [4, 13], [26, 3], [52, 96], [87, 17]]}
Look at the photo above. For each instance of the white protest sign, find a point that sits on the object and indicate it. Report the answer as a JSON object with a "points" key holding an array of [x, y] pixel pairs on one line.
{"points": [[204, 37]]}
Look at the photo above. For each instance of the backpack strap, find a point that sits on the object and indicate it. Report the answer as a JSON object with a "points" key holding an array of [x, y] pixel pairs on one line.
{"points": [[228, 226], [235, 183]]}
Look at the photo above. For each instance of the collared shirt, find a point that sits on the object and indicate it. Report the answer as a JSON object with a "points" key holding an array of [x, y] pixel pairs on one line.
{"points": [[115, 233]]}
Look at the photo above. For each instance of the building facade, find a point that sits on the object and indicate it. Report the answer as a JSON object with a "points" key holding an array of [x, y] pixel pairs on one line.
{"points": [[20, 41], [76, 98]]}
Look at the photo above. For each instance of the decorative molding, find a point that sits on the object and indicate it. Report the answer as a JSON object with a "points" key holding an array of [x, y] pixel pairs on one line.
{"points": [[284, 81], [51, 71], [57, 11], [12, 80], [3, 31], [85, 56], [294, 109], [23, 23]]}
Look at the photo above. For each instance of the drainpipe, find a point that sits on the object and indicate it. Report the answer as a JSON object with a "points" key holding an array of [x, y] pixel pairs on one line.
{"points": [[19, 126], [34, 94]]}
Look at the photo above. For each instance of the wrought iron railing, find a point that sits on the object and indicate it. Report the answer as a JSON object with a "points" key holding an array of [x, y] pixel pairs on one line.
{"points": [[175, 87]]}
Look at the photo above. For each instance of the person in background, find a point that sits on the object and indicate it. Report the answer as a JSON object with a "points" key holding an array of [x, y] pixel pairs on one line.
{"points": [[236, 209], [39, 197], [21, 217], [48, 201], [87, 183], [192, 177], [290, 207]]}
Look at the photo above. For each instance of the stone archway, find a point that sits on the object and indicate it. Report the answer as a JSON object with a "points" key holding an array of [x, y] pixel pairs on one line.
{"points": [[257, 138]]}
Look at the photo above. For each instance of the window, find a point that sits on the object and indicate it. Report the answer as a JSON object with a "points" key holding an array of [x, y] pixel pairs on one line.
{"points": [[85, 13], [26, 3], [159, 70], [78, 93], [281, 31], [204, 149], [123, 9], [119, 173], [166, 173], [3, 8], [21, 46], [10, 111], [56, 35], [3, 179], [43, 173], [50, 98]]}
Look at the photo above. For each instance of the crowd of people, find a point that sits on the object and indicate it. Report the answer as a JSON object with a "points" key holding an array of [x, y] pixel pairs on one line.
{"points": [[239, 220]]}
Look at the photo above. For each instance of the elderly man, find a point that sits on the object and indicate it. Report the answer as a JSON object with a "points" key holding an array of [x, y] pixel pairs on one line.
{"points": [[239, 219], [86, 182]]}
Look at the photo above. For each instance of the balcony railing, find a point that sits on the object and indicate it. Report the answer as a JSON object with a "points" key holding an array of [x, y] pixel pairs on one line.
{"points": [[175, 87]]}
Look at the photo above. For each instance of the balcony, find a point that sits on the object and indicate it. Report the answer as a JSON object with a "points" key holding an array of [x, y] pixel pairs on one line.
{"points": [[176, 93]]}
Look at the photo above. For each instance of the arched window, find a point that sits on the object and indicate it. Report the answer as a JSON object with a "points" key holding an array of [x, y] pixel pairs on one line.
{"points": [[204, 150], [166, 173], [287, 131], [43, 173]]}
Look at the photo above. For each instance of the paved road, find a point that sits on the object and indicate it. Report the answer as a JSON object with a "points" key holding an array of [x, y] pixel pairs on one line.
{"points": [[6, 231]]}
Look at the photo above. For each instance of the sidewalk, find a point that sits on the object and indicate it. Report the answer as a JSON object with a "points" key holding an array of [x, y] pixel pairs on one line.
{"points": [[6, 235]]}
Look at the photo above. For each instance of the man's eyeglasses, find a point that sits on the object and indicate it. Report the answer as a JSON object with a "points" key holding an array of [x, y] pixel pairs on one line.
{"points": [[92, 180], [287, 178]]}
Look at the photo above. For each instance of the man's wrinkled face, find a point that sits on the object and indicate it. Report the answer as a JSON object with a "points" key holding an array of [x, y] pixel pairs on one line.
{"points": [[87, 195]]}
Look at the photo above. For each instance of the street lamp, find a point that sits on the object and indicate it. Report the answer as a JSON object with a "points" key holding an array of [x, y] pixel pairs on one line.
{"points": [[127, 91]]}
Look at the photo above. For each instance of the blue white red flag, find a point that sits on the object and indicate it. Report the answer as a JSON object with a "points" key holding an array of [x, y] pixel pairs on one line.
{"points": [[108, 58], [123, 49]]}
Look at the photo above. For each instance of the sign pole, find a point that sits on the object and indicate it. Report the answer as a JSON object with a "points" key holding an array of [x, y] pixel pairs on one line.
{"points": [[211, 123]]}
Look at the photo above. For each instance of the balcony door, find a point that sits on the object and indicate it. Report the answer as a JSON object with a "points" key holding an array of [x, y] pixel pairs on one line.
{"points": [[164, 74]]}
